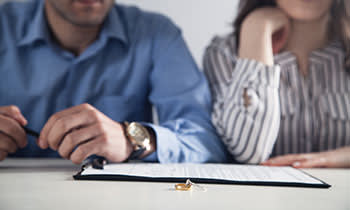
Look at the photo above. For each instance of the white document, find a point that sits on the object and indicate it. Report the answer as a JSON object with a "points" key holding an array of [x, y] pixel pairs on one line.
{"points": [[225, 172]]}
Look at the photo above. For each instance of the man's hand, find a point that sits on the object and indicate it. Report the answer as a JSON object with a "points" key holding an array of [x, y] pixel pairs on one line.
{"points": [[339, 158], [12, 135], [81, 131]]}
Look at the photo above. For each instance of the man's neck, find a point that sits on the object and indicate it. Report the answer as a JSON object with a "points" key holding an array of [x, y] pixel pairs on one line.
{"points": [[69, 36]]}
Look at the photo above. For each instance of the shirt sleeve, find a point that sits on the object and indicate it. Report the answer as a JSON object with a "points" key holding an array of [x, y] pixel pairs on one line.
{"points": [[249, 131], [181, 96]]}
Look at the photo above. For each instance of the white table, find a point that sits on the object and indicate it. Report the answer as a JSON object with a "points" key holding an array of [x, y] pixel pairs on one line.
{"points": [[48, 184]]}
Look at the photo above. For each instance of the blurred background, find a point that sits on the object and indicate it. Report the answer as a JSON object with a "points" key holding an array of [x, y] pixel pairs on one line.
{"points": [[199, 20]]}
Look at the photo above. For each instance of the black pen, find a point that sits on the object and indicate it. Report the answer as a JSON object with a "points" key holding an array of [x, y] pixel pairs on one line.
{"points": [[97, 162], [31, 132]]}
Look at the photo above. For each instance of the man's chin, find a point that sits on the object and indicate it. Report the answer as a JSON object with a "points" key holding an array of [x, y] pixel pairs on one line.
{"points": [[87, 22]]}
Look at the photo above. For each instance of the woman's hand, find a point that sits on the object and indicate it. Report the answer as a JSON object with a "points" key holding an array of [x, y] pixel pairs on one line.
{"points": [[339, 158], [264, 33]]}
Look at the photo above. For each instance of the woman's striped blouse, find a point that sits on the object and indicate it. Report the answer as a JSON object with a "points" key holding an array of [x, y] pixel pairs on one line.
{"points": [[288, 113]]}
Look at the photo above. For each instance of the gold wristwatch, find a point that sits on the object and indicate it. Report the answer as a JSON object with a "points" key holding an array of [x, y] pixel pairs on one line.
{"points": [[139, 137]]}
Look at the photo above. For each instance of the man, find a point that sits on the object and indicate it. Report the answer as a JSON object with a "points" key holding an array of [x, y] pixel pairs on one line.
{"points": [[80, 70]]}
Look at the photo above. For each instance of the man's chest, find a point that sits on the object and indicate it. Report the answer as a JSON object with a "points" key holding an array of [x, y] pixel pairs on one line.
{"points": [[42, 79]]}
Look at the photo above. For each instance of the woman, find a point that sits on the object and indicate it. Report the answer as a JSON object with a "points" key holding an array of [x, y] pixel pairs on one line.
{"points": [[281, 83]]}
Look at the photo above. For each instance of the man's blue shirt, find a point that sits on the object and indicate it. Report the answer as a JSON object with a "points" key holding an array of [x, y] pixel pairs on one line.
{"points": [[139, 60]]}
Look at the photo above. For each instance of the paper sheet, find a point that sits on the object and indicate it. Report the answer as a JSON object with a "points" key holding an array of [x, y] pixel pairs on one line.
{"points": [[250, 173]]}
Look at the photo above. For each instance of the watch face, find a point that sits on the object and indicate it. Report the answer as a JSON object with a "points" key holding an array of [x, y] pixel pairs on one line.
{"points": [[138, 133]]}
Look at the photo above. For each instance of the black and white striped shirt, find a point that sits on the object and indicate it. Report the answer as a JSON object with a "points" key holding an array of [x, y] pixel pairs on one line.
{"points": [[288, 113]]}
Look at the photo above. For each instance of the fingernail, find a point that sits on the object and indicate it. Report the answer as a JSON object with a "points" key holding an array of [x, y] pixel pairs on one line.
{"points": [[22, 146], [21, 120], [296, 164], [25, 122], [41, 143]]}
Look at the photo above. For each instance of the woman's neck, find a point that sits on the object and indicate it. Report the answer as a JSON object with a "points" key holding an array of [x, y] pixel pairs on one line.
{"points": [[306, 37]]}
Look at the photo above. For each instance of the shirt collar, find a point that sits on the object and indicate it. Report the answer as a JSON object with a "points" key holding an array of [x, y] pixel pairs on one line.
{"points": [[113, 26], [38, 28], [332, 52]]}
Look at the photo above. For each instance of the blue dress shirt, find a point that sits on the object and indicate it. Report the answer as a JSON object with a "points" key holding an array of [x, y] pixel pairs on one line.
{"points": [[139, 60]]}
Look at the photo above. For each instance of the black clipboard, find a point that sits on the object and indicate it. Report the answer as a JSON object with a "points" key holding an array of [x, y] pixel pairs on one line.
{"points": [[122, 177]]}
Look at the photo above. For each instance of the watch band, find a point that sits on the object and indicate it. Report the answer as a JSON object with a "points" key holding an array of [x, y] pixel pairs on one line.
{"points": [[135, 155]]}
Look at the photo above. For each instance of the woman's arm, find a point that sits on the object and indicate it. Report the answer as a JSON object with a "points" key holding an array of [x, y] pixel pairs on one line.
{"points": [[245, 90], [263, 33], [339, 158]]}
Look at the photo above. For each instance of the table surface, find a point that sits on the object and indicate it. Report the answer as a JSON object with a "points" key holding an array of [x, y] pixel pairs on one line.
{"points": [[48, 184]]}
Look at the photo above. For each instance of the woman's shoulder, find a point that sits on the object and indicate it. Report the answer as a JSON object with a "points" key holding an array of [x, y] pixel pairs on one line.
{"points": [[223, 44]]}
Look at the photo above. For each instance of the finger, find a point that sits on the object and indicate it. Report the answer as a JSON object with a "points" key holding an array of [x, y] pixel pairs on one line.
{"points": [[316, 162], [69, 123], [285, 160], [7, 144], [77, 137], [280, 160], [12, 129], [43, 139], [15, 113], [3, 155], [93, 147]]}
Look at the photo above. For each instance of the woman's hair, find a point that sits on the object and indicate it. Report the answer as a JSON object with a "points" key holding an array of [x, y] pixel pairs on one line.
{"points": [[340, 21], [341, 25]]}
